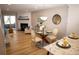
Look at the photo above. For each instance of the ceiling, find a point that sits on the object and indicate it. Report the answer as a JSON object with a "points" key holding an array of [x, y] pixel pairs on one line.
{"points": [[27, 7]]}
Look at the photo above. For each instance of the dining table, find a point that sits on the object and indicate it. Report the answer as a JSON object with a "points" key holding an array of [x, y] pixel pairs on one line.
{"points": [[42, 35], [56, 50]]}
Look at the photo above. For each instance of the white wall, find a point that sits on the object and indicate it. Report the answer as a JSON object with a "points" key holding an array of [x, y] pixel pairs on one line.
{"points": [[62, 11], [2, 47], [73, 19], [24, 21]]}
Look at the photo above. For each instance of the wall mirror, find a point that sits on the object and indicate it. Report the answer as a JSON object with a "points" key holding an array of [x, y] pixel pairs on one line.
{"points": [[56, 19]]}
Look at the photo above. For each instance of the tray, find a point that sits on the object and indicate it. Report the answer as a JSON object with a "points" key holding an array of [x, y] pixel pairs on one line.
{"points": [[73, 37], [62, 46]]}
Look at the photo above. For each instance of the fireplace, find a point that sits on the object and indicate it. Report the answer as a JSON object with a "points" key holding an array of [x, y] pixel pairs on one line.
{"points": [[23, 26]]}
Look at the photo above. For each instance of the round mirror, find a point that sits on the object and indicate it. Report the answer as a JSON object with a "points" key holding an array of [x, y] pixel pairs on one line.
{"points": [[56, 19]]}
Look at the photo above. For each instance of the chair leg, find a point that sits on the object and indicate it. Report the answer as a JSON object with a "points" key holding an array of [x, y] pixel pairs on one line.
{"points": [[48, 53], [32, 44], [38, 44]]}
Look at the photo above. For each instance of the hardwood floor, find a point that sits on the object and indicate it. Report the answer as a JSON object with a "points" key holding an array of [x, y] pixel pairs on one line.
{"points": [[20, 44]]}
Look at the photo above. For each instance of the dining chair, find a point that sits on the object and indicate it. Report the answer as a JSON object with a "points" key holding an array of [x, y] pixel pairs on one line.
{"points": [[52, 37], [35, 39]]}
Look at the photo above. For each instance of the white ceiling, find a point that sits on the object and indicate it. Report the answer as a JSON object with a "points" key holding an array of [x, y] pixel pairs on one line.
{"points": [[27, 7]]}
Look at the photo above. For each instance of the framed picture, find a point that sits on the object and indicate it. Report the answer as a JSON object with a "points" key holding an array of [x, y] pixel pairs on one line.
{"points": [[23, 18], [56, 19]]}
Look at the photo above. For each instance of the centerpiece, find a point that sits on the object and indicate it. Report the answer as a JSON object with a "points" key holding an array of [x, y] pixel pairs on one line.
{"points": [[63, 43]]}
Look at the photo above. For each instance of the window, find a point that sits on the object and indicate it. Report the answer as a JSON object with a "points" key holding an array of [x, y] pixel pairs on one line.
{"points": [[9, 19]]}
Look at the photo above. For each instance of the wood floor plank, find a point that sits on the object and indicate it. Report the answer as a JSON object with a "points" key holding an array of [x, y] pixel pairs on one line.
{"points": [[21, 44]]}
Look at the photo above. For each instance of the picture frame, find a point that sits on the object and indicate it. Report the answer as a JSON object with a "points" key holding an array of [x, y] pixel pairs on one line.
{"points": [[23, 18]]}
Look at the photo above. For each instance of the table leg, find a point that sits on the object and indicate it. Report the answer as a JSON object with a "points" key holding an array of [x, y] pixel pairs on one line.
{"points": [[47, 52]]}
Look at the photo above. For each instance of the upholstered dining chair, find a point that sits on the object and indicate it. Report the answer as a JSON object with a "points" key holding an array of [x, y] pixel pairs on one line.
{"points": [[35, 39], [52, 37]]}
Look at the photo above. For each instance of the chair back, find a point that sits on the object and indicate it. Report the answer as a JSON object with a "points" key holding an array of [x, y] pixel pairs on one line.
{"points": [[33, 34], [55, 31]]}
